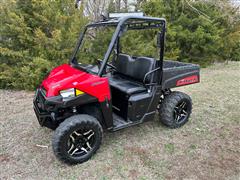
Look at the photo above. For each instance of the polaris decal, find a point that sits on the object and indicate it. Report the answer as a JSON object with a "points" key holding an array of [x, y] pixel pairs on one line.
{"points": [[188, 80]]}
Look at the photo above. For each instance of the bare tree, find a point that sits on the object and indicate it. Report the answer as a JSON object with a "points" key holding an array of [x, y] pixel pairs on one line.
{"points": [[125, 5], [93, 8], [118, 5], [121, 5]]}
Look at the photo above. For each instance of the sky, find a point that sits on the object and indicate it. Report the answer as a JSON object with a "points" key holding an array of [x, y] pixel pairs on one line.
{"points": [[237, 2]]}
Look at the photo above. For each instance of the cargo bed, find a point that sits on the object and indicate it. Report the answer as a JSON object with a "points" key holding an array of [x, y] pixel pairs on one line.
{"points": [[178, 74]]}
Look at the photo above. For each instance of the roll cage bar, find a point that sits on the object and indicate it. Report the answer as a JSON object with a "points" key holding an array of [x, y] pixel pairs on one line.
{"points": [[134, 23]]}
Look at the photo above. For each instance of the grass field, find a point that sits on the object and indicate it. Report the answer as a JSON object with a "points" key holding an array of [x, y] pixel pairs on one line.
{"points": [[207, 147]]}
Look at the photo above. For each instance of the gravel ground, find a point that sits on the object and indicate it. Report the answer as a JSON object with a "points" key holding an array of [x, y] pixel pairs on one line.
{"points": [[207, 147]]}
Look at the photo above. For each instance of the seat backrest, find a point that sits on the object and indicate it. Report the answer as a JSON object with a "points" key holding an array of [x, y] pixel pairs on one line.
{"points": [[135, 68], [122, 63]]}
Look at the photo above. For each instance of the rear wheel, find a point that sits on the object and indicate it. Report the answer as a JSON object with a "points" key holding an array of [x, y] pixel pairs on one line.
{"points": [[175, 109], [77, 139]]}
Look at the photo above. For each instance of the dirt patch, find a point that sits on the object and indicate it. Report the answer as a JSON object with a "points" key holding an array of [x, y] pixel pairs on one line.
{"points": [[4, 158], [207, 147]]}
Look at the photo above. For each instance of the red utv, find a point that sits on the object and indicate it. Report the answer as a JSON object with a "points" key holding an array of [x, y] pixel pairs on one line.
{"points": [[122, 90]]}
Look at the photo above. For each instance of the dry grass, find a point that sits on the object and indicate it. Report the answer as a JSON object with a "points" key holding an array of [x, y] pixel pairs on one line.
{"points": [[208, 147]]}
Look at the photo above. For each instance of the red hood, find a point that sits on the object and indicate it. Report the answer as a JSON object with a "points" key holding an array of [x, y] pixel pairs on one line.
{"points": [[65, 77]]}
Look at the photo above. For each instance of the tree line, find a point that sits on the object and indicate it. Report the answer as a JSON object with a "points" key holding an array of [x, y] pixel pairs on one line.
{"points": [[36, 36]]}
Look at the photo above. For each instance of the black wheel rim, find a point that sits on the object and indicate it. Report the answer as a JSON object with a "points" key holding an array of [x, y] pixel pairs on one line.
{"points": [[181, 112], [81, 142]]}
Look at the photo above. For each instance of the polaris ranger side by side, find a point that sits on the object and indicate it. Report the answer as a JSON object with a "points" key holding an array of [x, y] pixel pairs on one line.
{"points": [[119, 91]]}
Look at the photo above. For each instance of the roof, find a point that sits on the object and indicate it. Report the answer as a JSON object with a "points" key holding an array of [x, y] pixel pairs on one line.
{"points": [[123, 20]]}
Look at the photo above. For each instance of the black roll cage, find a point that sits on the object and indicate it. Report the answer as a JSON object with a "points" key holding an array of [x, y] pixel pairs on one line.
{"points": [[137, 23]]}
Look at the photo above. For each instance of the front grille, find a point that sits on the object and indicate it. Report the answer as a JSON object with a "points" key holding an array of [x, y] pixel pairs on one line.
{"points": [[41, 110], [40, 101]]}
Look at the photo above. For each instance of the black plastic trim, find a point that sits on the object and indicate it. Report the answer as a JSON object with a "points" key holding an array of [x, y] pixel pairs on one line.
{"points": [[106, 107], [46, 108], [75, 101]]}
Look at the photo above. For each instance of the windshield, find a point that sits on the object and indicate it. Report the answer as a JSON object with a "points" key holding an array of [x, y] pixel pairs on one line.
{"points": [[93, 47], [95, 43]]}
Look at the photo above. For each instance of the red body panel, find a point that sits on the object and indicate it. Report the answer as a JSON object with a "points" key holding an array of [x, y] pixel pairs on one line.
{"points": [[65, 77], [188, 80]]}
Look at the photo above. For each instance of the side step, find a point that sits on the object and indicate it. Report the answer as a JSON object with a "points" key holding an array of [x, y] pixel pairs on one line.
{"points": [[120, 123]]}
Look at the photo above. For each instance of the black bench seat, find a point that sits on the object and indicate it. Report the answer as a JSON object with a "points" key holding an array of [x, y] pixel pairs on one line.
{"points": [[126, 86], [130, 73]]}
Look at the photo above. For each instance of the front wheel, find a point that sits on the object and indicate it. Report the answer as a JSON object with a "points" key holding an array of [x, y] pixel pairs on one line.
{"points": [[77, 139], [175, 109]]}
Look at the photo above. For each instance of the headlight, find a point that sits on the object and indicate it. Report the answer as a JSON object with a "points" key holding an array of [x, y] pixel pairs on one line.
{"points": [[70, 93]]}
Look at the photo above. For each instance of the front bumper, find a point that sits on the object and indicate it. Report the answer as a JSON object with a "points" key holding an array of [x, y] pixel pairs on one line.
{"points": [[51, 111], [44, 111]]}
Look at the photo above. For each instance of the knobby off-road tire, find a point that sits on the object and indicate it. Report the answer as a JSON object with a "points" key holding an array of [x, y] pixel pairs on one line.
{"points": [[77, 139], [175, 109]]}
